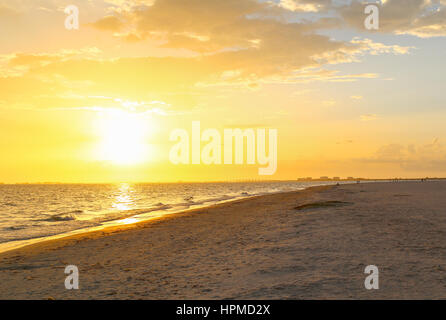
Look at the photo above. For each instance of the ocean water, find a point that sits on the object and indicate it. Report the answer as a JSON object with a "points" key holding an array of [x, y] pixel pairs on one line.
{"points": [[34, 211]]}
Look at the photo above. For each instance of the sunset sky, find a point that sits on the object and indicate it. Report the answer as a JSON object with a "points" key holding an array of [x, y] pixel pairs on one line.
{"points": [[98, 104]]}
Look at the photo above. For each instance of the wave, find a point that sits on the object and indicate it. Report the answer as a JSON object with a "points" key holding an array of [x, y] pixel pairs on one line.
{"points": [[61, 217], [15, 228], [70, 216], [159, 204], [10, 204], [102, 217]]}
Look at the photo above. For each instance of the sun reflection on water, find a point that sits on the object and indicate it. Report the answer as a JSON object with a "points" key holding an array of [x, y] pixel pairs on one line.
{"points": [[123, 200], [127, 221]]}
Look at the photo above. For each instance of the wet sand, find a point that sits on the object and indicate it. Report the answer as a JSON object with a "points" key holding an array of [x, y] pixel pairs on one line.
{"points": [[297, 245]]}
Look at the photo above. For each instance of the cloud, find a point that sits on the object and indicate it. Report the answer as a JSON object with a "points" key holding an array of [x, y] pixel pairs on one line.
{"points": [[111, 23], [329, 103], [19, 63], [233, 42], [243, 28], [303, 6], [308, 75], [427, 157], [369, 117], [357, 48], [127, 5], [8, 12]]}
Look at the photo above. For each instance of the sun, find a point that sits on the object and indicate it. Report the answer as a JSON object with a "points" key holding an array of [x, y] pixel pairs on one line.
{"points": [[124, 137]]}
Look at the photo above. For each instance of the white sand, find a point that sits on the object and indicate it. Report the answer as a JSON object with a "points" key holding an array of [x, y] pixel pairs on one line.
{"points": [[255, 249]]}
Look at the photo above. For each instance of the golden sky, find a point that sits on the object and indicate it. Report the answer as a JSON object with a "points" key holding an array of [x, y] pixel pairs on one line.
{"points": [[98, 104]]}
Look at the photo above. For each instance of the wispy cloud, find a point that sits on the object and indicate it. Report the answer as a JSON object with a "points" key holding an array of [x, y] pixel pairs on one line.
{"points": [[369, 117]]}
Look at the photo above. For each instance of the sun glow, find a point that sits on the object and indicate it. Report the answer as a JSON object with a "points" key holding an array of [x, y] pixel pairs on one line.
{"points": [[124, 137]]}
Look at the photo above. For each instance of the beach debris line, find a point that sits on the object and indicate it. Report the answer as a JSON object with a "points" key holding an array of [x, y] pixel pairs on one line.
{"points": [[322, 204]]}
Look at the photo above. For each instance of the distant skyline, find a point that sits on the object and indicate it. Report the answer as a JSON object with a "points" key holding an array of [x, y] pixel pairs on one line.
{"points": [[98, 104]]}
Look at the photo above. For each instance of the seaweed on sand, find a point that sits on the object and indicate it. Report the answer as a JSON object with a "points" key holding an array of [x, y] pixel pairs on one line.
{"points": [[322, 204]]}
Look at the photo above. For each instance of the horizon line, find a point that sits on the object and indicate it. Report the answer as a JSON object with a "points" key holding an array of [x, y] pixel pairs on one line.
{"points": [[226, 181]]}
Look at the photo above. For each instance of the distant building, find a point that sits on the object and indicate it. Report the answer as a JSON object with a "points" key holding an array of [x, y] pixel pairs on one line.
{"points": [[324, 178], [350, 178], [336, 178]]}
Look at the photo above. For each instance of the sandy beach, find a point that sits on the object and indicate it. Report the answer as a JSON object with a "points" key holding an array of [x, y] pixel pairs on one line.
{"points": [[311, 244]]}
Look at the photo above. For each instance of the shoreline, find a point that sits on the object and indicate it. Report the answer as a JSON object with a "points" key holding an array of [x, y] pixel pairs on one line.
{"points": [[126, 223], [309, 244], [112, 227]]}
